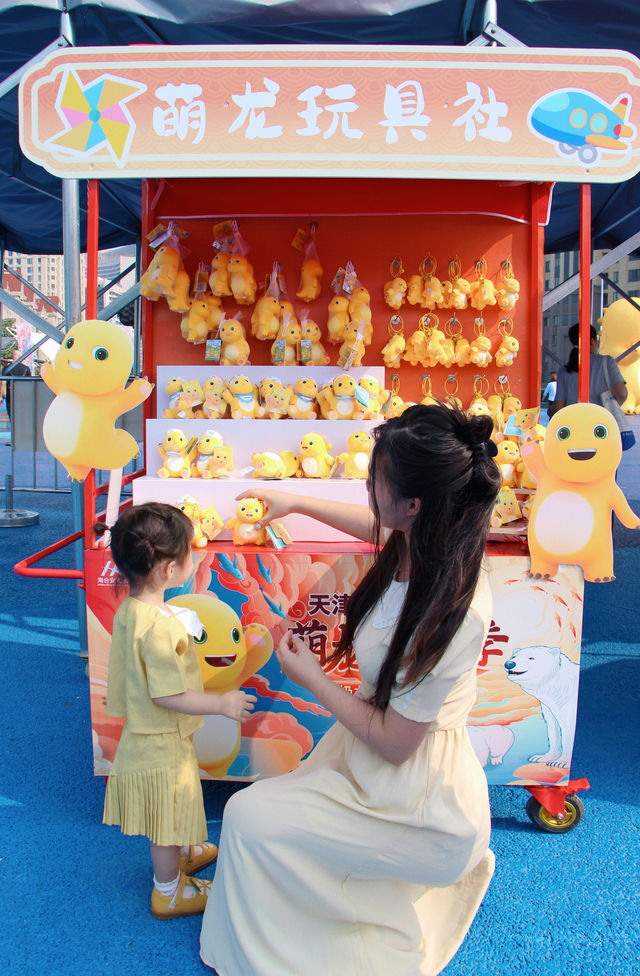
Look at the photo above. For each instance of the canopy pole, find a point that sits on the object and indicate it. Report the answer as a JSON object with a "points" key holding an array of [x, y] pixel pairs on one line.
{"points": [[585, 292], [72, 306]]}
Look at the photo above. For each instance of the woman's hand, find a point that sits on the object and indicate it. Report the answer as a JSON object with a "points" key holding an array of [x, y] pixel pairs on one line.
{"points": [[278, 503], [298, 661]]}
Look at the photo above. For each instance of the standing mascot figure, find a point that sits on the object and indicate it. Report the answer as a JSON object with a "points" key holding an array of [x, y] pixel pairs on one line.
{"points": [[88, 378], [571, 515]]}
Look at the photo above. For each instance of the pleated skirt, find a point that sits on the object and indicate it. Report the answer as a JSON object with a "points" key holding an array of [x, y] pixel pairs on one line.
{"points": [[154, 789]]}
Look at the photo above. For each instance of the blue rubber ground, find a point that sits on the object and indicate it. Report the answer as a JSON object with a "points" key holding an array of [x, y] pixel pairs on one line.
{"points": [[74, 894]]}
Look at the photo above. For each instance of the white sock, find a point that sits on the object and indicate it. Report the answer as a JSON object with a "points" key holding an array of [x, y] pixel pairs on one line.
{"points": [[167, 888]]}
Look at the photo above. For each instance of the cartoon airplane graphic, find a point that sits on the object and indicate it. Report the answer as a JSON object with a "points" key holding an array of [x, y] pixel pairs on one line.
{"points": [[579, 122]]}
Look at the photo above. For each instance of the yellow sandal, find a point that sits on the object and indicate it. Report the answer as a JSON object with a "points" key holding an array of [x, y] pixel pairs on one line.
{"points": [[192, 863], [176, 906]]}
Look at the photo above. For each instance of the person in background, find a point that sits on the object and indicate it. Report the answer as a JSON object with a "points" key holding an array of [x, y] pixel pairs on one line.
{"points": [[550, 389], [21, 369], [567, 384]]}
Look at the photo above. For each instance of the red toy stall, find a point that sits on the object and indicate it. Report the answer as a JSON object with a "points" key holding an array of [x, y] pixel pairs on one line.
{"points": [[420, 179]]}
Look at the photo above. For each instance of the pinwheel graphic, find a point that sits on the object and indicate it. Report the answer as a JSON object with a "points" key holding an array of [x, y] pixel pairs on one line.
{"points": [[95, 115]]}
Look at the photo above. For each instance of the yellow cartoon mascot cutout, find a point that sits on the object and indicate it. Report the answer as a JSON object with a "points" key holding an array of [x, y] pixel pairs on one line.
{"points": [[228, 655], [88, 378], [571, 515]]}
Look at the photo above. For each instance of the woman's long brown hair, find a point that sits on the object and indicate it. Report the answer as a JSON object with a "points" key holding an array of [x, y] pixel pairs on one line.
{"points": [[437, 454]]}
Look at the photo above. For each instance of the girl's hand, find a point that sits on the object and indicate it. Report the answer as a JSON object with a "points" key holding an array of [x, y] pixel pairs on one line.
{"points": [[237, 705], [278, 503], [298, 661]]}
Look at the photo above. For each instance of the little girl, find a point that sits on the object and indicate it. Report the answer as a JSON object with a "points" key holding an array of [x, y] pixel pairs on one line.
{"points": [[154, 682]]}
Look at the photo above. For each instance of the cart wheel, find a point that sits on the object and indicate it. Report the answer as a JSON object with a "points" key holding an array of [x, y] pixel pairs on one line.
{"points": [[573, 814]]}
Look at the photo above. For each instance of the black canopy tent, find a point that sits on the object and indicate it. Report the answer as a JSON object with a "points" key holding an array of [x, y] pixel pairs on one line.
{"points": [[31, 199]]}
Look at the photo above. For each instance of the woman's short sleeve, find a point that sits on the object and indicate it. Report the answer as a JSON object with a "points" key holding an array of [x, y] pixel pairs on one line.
{"points": [[162, 650], [423, 702]]}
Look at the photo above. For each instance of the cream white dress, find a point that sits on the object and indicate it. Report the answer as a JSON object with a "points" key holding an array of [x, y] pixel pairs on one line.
{"points": [[350, 865]]}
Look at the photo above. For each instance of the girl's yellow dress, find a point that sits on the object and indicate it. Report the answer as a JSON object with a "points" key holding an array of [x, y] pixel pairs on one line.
{"points": [[350, 865], [154, 784]]}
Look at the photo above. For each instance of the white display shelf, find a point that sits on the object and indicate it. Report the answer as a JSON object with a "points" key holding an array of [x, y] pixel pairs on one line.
{"points": [[287, 374], [248, 436], [222, 493]]}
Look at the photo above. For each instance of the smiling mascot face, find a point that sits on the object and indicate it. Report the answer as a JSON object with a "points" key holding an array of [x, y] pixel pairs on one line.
{"points": [[227, 652], [95, 358], [583, 443]]}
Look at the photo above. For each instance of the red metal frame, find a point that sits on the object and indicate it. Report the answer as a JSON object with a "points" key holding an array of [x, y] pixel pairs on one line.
{"points": [[23, 568], [585, 292]]}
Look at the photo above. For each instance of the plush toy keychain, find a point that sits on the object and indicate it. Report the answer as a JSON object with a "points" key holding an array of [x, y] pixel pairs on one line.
{"points": [[395, 347], [427, 393], [481, 345], [456, 289], [483, 291], [509, 287], [433, 292], [395, 405], [479, 406], [416, 345], [395, 290], [311, 270], [440, 350], [450, 390], [508, 349]]}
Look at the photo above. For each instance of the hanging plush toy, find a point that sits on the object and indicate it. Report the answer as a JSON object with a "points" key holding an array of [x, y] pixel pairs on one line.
{"points": [[450, 390], [415, 289], [219, 277], [480, 347], [395, 289], [167, 277], [483, 291], [88, 379], [285, 349], [353, 346], [235, 348], [311, 270], [508, 349], [509, 287], [395, 347], [360, 312], [241, 280], [456, 290], [427, 393], [433, 293], [311, 337], [265, 318], [338, 318], [479, 406]]}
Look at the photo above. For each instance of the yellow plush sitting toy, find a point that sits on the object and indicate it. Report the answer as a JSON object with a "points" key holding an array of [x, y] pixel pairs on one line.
{"points": [[506, 508], [219, 277], [235, 348], [205, 465], [338, 318], [377, 397], [303, 399], [340, 400], [358, 454], [191, 508], [211, 523], [214, 406], [166, 277], [290, 335], [274, 397], [88, 379], [190, 400], [507, 351], [353, 346], [507, 459], [178, 453], [242, 397], [173, 389], [268, 465], [310, 280], [315, 460], [241, 280], [265, 318], [311, 332], [247, 525]]}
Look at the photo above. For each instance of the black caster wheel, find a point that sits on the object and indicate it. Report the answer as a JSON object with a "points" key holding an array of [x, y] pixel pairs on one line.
{"points": [[573, 814]]}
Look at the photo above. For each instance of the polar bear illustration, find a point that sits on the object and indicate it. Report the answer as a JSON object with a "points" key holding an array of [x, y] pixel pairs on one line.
{"points": [[551, 677], [490, 742]]}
